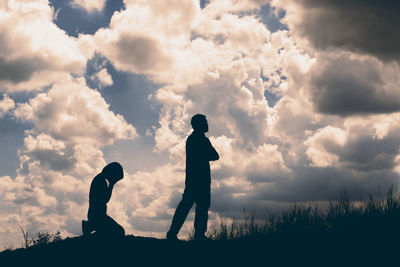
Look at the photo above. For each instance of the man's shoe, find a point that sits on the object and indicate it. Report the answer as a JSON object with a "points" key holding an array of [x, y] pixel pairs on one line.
{"points": [[172, 237]]}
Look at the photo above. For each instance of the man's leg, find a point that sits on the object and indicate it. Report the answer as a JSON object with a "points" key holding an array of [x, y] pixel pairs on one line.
{"points": [[181, 213], [203, 201]]}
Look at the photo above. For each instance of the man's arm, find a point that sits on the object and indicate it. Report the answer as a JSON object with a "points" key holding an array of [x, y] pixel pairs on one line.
{"points": [[108, 192], [211, 153]]}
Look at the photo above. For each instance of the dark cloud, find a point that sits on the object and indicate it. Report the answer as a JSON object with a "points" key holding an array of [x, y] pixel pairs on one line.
{"points": [[365, 26], [5, 47], [226, 202], [27, 196], [324, 184], [11, 140], [345, 86], [146, 224], [366, 153], [53, 160], [365, 166], [18, 70], [139, 51]]}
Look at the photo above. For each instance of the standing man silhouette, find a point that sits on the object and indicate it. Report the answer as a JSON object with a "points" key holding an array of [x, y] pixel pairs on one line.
{"points": [[99, 195], [199, 152]]}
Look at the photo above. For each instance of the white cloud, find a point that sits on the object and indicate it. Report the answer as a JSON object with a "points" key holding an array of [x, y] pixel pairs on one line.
{"points": [[221, 7], [34, 51], [102, 77], [89, 5], [6, 104], [325, 139], [176, 45], [70, 105]]}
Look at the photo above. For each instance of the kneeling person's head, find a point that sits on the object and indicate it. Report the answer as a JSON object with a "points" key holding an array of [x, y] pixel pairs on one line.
{"points": [[113, 172]]}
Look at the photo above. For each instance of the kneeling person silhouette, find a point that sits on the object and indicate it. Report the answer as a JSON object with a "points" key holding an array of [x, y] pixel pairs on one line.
{"points": [[99, 195]]}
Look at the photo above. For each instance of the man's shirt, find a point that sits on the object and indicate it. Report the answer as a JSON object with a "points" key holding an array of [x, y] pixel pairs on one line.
{"points": [[199, 152]]}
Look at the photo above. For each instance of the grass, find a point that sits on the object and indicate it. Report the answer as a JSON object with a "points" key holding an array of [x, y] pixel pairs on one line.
{"points": [[349, 219]]}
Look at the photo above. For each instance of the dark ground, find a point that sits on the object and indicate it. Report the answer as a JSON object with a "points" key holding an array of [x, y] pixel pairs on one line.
{"points": [[299, 250]]}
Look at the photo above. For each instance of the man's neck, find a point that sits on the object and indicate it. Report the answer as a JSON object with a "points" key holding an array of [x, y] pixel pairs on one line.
{"points": [[198, 133]]}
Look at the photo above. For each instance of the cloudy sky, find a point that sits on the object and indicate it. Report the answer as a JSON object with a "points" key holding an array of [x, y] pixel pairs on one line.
{"points": [[302, 99]]}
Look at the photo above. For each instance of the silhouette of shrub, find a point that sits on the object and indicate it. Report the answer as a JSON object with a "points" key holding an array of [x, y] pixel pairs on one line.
{"points": [[40, 238], [46, 238]]}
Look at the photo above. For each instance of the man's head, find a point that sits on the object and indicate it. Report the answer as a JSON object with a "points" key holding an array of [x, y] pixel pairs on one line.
{"points": [[113, 172], [199, 123]]}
